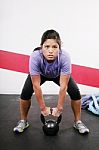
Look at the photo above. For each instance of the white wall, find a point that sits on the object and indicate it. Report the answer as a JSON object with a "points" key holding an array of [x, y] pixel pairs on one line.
{"points": [[22, 23]]}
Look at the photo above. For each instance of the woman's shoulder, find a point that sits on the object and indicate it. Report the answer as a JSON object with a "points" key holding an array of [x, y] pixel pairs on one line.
{"points": [[64, 53], [36, 54]]}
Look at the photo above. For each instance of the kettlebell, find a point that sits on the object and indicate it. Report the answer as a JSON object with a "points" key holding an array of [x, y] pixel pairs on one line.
{"points": [[50, 126]]}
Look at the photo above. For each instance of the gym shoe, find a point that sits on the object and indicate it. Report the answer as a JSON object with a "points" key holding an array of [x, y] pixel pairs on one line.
{"points": [[81, 127], [22, 125]]}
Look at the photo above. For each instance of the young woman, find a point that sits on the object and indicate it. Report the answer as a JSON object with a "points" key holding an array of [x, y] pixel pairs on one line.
{"points": [[50, 63]]}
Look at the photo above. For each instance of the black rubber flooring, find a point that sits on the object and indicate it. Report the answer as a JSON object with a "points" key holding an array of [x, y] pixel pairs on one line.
{"points": [[34, 139]]}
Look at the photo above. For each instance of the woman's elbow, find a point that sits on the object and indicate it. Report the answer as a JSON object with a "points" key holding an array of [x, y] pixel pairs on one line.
{"points": [[36, 87], [63, 88]]}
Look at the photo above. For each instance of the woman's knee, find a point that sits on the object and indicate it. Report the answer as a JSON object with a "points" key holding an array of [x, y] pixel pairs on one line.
{"points": [[27, 90], [73, 90], [75, 95]]}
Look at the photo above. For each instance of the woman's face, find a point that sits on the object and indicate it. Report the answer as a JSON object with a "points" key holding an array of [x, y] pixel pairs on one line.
{"points": [[50, 49]]}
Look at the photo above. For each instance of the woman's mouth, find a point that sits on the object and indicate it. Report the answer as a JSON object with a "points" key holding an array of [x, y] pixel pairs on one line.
{"points": [[50, 55]]}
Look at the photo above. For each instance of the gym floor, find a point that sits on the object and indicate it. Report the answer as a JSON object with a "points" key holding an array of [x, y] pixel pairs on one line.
{"points": [[33, 138]]}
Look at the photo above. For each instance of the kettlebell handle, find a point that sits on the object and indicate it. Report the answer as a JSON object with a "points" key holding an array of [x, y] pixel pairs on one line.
{"points": [[58, 119], [42, 118]]}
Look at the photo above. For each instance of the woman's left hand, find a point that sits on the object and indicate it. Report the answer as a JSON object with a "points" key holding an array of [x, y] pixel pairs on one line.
{"points": [[56, 112]]}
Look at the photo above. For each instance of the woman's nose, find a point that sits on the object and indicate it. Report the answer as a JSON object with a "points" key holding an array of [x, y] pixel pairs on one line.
{"points": [[50, 50]]}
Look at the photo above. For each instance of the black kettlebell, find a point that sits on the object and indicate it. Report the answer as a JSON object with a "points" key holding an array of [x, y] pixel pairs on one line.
{"points": [[50, 126]]}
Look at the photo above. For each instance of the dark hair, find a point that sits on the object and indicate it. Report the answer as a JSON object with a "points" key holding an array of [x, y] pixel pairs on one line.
{"points": [[37, 48], [51, 34]]}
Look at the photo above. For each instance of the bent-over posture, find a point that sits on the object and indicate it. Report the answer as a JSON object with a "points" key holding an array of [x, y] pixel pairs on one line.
{"points": [[50, 63]]}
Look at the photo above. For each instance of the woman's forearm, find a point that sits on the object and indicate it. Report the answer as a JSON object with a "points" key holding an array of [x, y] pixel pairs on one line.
{"points": [[61, 98], [39, 97]]}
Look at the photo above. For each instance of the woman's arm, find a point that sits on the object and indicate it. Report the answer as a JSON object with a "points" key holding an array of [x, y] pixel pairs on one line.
{"points": [[63, 89], [62, 93], [39, 96]]}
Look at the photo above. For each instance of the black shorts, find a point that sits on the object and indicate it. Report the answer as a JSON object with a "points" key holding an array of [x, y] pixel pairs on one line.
{"points": [[72, 90]]}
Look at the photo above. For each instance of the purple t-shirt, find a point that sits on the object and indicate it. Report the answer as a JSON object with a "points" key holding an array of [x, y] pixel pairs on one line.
{"points": [[38, 65]]}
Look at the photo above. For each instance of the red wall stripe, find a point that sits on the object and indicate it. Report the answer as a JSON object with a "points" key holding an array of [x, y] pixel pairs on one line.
{"points": [[86, 75], [14, 61], [19, 62]]}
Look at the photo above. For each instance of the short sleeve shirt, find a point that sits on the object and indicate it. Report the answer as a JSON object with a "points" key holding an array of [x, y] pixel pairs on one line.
{"points": [[38, 65]]}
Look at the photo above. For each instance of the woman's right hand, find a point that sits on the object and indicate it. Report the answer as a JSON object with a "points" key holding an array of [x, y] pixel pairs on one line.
{"points": [[46, 111]]}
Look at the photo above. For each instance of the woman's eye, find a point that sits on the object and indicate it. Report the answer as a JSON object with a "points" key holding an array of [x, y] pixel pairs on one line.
{"points": [[54, 46], [46, 46]]}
